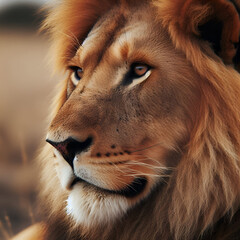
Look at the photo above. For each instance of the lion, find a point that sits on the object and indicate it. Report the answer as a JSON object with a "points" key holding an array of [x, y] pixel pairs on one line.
{"points": [[144, 141]]}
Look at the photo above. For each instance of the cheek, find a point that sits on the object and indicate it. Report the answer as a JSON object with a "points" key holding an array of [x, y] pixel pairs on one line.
{"points": [[159, 101], [171, 132]]}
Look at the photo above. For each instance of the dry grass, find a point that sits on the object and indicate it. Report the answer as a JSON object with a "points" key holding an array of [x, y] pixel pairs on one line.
{"points": [[25, 91]]}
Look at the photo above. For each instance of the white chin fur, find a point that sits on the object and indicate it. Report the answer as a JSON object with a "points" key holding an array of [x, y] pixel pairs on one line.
{"points": [[89, 208]]}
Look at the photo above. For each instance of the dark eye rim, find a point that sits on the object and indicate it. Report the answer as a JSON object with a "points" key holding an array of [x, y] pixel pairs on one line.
{"points": [[134, 65], [131, 76], [75, 69]]}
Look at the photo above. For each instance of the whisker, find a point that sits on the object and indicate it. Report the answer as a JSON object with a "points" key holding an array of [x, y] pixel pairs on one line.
{"points": [[172, 148], [140, 174], [118, 167], [149, 147], [157, 162], [72, 37], [147, 165]]}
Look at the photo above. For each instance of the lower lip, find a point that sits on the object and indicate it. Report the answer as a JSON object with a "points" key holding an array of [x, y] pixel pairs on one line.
{"points": [[131, 191]]}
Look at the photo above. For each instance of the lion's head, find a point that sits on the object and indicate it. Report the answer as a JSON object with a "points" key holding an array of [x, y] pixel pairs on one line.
{"points": [[146, 131]]}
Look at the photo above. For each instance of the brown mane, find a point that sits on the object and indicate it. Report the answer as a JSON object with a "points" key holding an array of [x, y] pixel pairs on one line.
{"points": [[214, 146], [205, 186], [64, 27]]}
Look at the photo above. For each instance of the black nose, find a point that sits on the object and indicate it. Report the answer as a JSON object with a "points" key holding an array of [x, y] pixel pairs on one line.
{"points": [[70, 147]]}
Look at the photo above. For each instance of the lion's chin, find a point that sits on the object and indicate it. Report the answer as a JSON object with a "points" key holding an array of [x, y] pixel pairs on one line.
{"points": [[90, 207]]}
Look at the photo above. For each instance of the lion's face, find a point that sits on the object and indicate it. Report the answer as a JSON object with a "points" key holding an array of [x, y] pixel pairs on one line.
{"points": [[130, 101]]}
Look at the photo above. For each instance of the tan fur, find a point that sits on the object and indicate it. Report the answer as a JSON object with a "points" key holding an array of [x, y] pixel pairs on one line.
{"points": [[35, 232], [181, 124]]}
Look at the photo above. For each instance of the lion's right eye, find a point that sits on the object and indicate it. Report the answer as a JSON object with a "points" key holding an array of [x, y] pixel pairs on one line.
{"points": [[76, 75]]}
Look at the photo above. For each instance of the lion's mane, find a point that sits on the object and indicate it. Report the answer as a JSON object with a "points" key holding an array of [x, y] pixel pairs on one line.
{"points": [[202, 195]]}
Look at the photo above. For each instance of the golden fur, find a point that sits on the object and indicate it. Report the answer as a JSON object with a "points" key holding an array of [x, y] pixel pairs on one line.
{"points": [[34, 232], [181, 126]]}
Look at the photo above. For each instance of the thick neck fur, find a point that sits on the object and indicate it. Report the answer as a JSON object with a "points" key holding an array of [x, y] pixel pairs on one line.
{"points": [[167, 213], [148, 220], [202, 196]]}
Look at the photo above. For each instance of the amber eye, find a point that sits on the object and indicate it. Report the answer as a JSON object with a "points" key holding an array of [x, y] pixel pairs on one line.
{"points": [[77, 74], [140, 69], [137, 73]]}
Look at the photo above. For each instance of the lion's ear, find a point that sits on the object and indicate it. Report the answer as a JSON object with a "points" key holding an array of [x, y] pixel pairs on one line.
{"points": [[215, 21]]}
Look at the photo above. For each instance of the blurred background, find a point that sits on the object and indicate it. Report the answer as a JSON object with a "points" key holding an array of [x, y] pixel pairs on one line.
{"points": [[26, 88]]}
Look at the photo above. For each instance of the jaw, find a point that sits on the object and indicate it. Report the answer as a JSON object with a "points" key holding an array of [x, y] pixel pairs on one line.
{"points": [[90, 206], [92, 198]]}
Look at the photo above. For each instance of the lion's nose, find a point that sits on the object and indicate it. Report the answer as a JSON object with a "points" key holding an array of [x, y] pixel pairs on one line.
{"points": [[70, 147]]}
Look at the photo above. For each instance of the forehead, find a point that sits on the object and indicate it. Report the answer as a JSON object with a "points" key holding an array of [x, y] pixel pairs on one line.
{"points": [[119, 34]]}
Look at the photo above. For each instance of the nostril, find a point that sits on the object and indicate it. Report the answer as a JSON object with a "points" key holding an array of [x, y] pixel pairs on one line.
{"points": [[71, 147]]}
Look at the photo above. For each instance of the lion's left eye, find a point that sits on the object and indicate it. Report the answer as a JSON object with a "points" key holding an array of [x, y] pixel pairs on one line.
{"points": [[77, 74], [139, 70], [138, 73]]}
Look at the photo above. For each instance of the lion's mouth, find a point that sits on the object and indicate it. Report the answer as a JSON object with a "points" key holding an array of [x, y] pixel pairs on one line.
{"points": [[132, 190]]}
